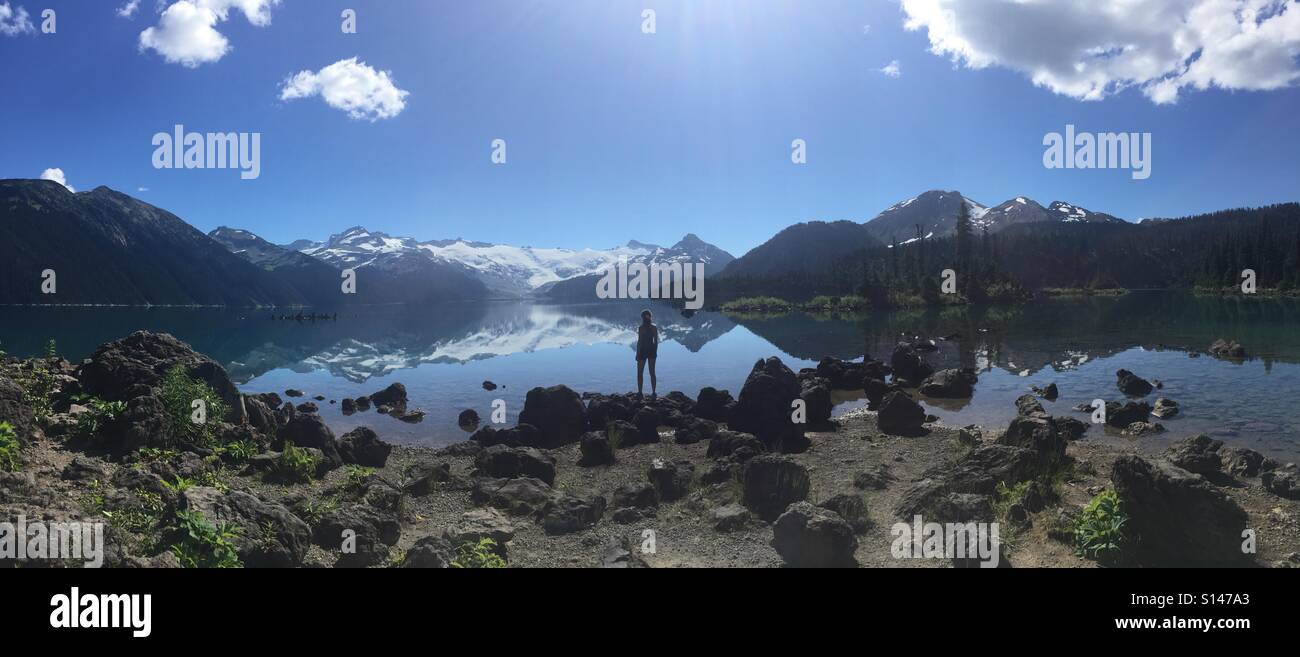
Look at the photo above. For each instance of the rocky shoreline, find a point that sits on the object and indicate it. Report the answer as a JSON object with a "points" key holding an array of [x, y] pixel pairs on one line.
{"points": [[763, 479]]}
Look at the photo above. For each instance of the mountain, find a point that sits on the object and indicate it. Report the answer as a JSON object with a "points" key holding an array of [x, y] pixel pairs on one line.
{"points": [[936, 213], [317, 281], [108, 248], [802, 247], [689, 251], [508, 271]]}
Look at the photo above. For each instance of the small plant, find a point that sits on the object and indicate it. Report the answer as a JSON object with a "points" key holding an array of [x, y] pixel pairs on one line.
{"points": [[9, 459], [179, 392], [295, 464], [312, 511], [39, 385], [478, 555], [357, 475], [240, 450], [181, 484], [99, 414], [1101, 532], [203, 544], [1005, 497]]}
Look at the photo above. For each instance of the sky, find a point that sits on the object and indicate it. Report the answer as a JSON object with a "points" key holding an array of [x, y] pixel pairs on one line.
{"points": [[615, 132]]}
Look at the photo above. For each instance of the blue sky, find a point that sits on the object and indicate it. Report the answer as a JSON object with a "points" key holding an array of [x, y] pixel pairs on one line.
{"points": [[613, 134]]}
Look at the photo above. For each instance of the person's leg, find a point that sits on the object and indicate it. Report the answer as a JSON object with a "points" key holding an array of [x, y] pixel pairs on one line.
{"points": [[654, 381], [640, 375]]}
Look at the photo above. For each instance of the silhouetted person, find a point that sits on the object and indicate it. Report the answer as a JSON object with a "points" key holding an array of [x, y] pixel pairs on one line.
{"points": [[647, 349]]}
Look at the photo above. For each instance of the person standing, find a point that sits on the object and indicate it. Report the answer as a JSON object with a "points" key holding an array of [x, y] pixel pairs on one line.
{"points": [[647, 349]]}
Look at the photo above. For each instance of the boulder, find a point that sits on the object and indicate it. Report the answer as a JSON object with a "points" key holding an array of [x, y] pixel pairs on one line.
{"points": [[517, 497], [807, 536], [1227, 349], [636, 496], [739, 446], [394, 396], [647, 421], [1038, 434], [479, 524], [729, 517], [1198, 454], [713, 404], [671, 479], [908, 364], [310, 431], [348, 406], [851, 508], [359, 534], [572, 513], [900, 415], [271, 536], [817, 403], [1029, 405], [1242, 462], [1165, 408], [1122, 415], [1180, 519], [1132, 384], [503, 462], [950, 384], [876, 478], [695, 430], [362, 446], [596, 450], [139, 361], [764, 407], [468, 420], [558, 414], [430, 552], [979, 472], [771, 483], [1049, 392], [1282, 483]]}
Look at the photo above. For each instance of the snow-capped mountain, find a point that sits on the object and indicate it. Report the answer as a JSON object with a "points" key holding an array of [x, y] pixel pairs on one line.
{"points": [[935, 214], [506, 270]]}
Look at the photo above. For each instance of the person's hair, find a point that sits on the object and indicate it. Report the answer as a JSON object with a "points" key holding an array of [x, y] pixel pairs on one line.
{"points": [[645, 315]]}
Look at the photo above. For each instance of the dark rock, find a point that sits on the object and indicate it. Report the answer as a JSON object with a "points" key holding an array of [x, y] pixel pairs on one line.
{"points": [[771, 483], [410, 417], [349, 406], [291, 392], [310, 431], [1048, 392], [479, 524], [1178, 517], [1143, 428], [1121, 415], [1198, 454], [573, 513], [360, 534], [908, 364], [272, 538], [979, 472], [1165, 408], [558, 414], [271, 399], [764, 407], [817, 403], [260, 416], [489, 386], [84, 469], [517, 497], [1132, 384], [852, 509], [640, 496], [422, 478], [468, 420], [596, 450], [1029, 405], [695, 430], [877, 478], [671, 479], [950, 384], [504, 462], [729, 518], [1070, 428], [1283, 484], [647, 421], [1039, 435], [620, 553], [732, 443], [430, 552], [722, 471], [900, 415], [713, 404], [811, 537], [1242, 462], [308, 407], [363, 446], [1227, 349], [393, 396]]}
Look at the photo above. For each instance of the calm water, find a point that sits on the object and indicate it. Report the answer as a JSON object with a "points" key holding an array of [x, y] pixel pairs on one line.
{"points": [[443, 354]]}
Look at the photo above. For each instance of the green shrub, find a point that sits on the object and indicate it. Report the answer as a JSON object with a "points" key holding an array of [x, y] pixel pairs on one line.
{"points": [[9, 459], [1101, 532], [295, 465], [179, 392], [39, 385], [240, 450], [478, 555], [201, 544], [99, 415]]}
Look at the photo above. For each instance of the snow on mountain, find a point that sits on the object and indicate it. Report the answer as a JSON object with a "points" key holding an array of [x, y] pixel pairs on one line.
{"points": [[506, 270], [935, 212]]}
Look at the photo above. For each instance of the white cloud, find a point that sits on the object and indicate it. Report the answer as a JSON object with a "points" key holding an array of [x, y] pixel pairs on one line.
{"points": [[187, 34], [57, 176], [14, 21], [892, 69], [351, 86], [1090, 50], [128, 10]]}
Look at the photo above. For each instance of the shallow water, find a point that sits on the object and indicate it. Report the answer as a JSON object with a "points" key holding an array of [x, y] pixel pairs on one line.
{"points": [[443, 354]]}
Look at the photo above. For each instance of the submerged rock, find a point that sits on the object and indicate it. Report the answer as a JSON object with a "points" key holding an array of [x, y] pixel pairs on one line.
{"points": [[950, 384], [558, 414], [1132, 384]]}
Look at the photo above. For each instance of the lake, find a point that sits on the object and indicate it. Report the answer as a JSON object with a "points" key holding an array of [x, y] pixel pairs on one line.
{"points": [[443, 354]]}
